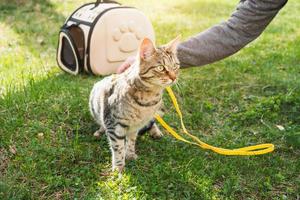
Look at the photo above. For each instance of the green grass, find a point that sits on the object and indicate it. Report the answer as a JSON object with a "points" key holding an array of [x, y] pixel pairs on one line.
{"points": [[232, 103]]}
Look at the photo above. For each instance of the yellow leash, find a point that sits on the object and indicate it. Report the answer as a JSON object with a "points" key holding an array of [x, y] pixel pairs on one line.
{"points": [[245, 151]]}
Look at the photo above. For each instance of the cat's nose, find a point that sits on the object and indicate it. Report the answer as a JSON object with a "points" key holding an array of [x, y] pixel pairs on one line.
{"points": [[172, 75]]}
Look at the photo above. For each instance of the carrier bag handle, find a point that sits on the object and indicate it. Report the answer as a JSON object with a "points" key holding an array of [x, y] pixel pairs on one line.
{"points": [[104, 1]]}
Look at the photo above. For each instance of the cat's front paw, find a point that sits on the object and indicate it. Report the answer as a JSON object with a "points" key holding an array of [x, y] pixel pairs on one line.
{"points": [[99, 132], [131, 156], [155, 132]]}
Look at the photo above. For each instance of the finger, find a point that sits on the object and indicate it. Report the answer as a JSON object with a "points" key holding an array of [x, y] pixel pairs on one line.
{"points": [[123, 67]]}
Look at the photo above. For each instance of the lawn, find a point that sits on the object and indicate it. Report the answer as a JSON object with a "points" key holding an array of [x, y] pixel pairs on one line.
{"points": [[47, 150]]}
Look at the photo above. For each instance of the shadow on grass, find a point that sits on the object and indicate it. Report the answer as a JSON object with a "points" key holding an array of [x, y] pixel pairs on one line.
{"points": [[66, 160]]}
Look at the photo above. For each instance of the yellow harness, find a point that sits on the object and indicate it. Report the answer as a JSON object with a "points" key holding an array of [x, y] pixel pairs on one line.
{"points": [[245, 151]]}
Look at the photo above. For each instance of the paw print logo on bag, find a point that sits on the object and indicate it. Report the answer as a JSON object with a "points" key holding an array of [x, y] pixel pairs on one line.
{"points": [[125, 35], [128, 37]]}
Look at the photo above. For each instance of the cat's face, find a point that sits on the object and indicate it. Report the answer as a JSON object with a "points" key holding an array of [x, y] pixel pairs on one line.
{"points": [[159, 66]]}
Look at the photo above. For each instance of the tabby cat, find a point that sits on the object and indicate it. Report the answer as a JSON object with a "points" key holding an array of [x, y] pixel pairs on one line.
{"points": [[123, 104]]}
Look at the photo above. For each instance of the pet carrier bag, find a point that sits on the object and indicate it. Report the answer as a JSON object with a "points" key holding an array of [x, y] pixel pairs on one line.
{"points": [[99, 36]]}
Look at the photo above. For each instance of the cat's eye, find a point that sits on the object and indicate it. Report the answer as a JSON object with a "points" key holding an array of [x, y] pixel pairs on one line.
{"points": [[160, 68], [176, 66]]}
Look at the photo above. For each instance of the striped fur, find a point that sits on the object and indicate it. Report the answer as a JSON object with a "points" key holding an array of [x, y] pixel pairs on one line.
{"points": [[121, 105]]}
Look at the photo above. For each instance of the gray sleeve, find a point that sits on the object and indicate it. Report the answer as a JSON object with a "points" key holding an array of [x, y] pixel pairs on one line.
{"points": [[248, 21]]}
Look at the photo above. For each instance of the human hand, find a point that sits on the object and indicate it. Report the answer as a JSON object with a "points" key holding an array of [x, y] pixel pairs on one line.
{"points": [[126, 64]]}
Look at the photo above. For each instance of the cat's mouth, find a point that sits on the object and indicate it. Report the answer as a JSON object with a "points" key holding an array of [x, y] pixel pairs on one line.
{"points": [[169, 82]]}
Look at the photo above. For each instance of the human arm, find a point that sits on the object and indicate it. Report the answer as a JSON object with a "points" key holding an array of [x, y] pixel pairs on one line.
{"points": [[247, 22]]}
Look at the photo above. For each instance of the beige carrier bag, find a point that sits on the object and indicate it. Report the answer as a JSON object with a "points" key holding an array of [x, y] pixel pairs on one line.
{"points": [[99, 36]]}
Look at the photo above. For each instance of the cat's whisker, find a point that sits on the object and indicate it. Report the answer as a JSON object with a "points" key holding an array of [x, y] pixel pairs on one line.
{"points": [[178, 86]]}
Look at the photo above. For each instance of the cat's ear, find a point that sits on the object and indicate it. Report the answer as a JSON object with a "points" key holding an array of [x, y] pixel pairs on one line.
{"points": [[172, 46], [147, 49]]}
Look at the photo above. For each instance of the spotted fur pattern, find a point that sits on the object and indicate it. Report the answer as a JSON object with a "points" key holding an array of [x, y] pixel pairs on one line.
{"points": [[123, 104]]}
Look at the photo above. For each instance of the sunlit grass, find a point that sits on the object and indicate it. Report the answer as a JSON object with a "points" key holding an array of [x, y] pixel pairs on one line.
{"points": [[46, 146]]}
